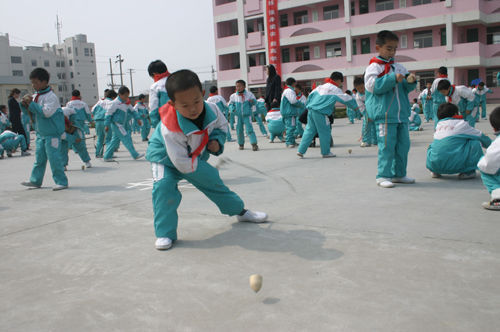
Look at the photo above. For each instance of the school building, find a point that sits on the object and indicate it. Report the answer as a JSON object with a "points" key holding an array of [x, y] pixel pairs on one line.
{"points": [[71, 65], [318, 37]]}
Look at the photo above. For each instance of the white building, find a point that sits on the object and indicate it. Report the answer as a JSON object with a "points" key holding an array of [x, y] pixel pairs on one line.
{"points": [[71, 65]]}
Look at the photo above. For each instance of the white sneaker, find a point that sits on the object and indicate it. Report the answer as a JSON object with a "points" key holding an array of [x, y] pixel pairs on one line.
{"points": [[385, 183], [405, 180], [330, 155], [466, 176], [88, 164], [139, 156], [30, 184], [365, 145], [271, 141], [59, 187], [250, 216], [163, 243], [108, 160], [435, 175], [300, 155]]}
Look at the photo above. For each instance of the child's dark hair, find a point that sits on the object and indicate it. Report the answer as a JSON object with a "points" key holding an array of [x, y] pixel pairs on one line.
{"points": [[156, 67], [123, 89], [415, 100], [359, 80], [275, 104], [354, 90], [348, 92], [213, 89], [75, 93], [182, 80], [289, 81], [14, 91], [111, 94], [298, 87], [447, 110], [443, 70], [384, 36], [495, 118], [443, 85], [141, 96], [337, 76], [481, 84], [40, 74], [106, 91], [2, 107], [241, 82]]}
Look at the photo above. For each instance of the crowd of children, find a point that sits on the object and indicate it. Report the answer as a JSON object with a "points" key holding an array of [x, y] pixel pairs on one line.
{"points": [[186, 129]]}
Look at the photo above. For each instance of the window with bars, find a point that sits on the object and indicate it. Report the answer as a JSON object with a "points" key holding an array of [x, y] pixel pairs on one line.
{"points": [[330, 12], [300, 17], [333, 50], [422, 39], [381, 5]]}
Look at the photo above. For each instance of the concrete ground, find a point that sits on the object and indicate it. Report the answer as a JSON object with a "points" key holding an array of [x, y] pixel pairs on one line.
{"points": [[339, 253]]}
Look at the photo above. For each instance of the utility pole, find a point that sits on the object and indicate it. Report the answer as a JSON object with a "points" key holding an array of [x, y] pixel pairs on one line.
{"points": [[58, 28], [120, 60], [131, 82], [213, 73]]}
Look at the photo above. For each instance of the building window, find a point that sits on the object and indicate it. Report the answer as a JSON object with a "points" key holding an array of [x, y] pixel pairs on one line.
{"points": [[330, 12], [285, 55], [34, 63], [384, 5], [58, 63], [443, 36], [472, 35], [93, 74], [402, 3], [91, 52], [283, 20], [59, 88], [365, 45], [472, 74], [252, 62], [227, 28], [76, 51], [420, 2], [422, 39], [61, 99], [316, 51], [72, 87], [354, 46], [17, 73], [70, 62], [363, 7], [353, 8], [491, 77], [46, 63], [403, 41], [86, 51], [300, 17], [493, 35], [69, 50], [424, 77], [16, 59], [63, 75], [302, 53], [71, 75], [333, 50], [63, 63]]}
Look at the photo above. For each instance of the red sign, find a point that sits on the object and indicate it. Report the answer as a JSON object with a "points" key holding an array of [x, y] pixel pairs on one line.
{"points": [[273, 35]]}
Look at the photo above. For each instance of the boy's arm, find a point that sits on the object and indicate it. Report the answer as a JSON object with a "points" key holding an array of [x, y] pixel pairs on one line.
{"points": [[485, 141], [490, 163], [49, 107], [290, 95], [378, 85], [154, 101], [177, 150], [347, 100], [110, 110], [220, 131]]}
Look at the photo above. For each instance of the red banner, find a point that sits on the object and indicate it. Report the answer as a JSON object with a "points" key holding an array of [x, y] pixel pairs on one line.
{"points": [[273, 35]]}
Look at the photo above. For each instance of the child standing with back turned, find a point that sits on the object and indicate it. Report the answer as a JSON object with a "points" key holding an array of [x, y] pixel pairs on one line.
{"points": [[189, 131], [387, 86]]}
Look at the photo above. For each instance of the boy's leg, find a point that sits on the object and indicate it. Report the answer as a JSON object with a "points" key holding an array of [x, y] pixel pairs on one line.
{"points": [[491, 181], [401, 150], [239, 130], [263, 130], [38, 170], [125, 138], [322, 124], [81, 147], [365, 138], [207, 179], [109, 135], [64, 152], [53, 148], [22, 142], [231, 120], [299, 130], [290, 130], [113, 143], [27, 132], [228, 135], [483, 109], [100, 133], [309, 134], [166, 200], [386, 136], [247, 120]]}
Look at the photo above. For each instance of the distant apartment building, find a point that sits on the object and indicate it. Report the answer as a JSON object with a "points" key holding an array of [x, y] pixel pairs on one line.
{"points": [[318, 37], [71, 65]]}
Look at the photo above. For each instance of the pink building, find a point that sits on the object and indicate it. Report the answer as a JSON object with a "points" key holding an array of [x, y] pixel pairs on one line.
{"points": [[318, 37]]}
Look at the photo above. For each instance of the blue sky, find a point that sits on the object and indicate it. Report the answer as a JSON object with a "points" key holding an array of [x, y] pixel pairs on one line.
{"points": [[179, 32]]}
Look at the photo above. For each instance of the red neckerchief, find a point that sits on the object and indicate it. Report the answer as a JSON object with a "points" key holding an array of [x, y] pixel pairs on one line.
{"points": [[387, 65], [76, 98], [460, 117], [299, 95], [329, 80], [273, 110], [168, 117], [212, 94], [452, 91], [242, 94], [42, 92], [157, 77], [442, 76], [128, 101]]}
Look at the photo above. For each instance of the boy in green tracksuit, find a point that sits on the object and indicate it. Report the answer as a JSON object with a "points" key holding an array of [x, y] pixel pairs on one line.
{"points": [[387, 86]]}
